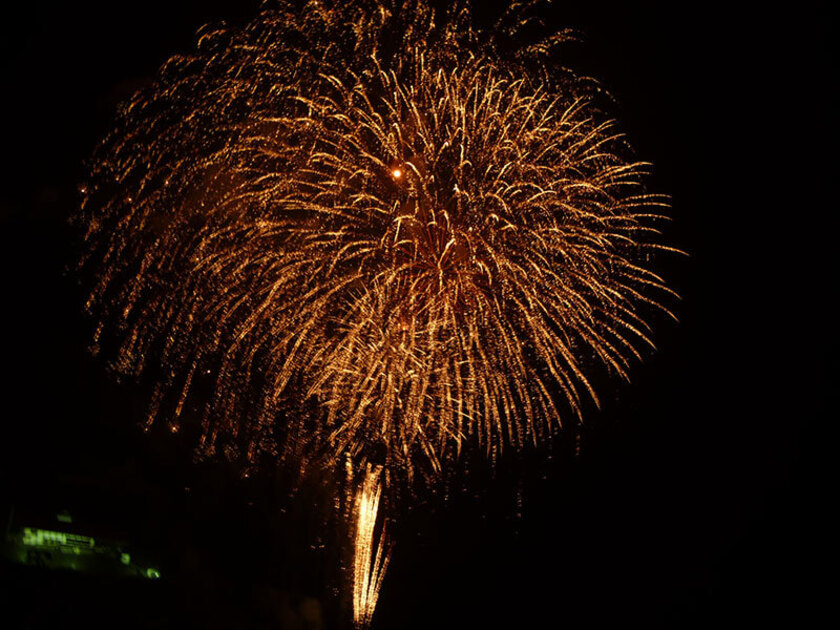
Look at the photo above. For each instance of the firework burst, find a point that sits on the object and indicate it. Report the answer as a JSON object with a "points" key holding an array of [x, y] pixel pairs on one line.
{"points": [[371, 232]]}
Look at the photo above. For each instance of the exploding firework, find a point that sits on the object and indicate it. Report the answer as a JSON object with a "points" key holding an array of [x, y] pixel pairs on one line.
{"points": [[367, 231], [376, 216]]}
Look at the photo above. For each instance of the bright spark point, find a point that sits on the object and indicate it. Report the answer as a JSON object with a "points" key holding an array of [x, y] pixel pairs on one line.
{"points": [[397, 173]]}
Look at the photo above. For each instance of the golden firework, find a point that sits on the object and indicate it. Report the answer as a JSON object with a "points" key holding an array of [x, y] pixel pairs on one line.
{"points": [[364, 209], [371, 232], [366, 232]]}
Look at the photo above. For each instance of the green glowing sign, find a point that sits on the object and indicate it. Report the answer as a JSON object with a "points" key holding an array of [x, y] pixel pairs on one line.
{"points": [[35, 537], [67, 544]]}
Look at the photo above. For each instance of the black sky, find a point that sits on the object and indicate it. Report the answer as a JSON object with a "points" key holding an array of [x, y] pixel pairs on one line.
{"points": [[698, 496]]}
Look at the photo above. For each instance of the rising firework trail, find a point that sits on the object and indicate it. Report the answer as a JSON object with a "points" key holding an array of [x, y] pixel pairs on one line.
{"points": [[371, 232], [371, 553]]}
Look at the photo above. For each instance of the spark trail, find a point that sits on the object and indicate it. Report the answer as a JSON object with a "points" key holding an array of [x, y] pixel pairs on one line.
{"points": [[371, 554]]}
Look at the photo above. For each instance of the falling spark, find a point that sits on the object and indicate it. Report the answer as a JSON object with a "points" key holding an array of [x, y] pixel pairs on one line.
{"points": [[370, 555]]}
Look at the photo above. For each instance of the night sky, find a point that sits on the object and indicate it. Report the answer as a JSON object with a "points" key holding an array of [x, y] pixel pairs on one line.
{"points": [[697, 498]]}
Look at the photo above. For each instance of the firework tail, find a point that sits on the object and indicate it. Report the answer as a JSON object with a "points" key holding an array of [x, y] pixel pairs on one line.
{"points": [[370, 547]]}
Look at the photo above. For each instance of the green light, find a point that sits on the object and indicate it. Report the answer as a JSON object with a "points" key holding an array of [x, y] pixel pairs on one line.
{"points": [[34, 537], [64, 550]]}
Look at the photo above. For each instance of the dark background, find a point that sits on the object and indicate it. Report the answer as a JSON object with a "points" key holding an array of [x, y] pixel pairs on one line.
{"points": [[698, 496]]}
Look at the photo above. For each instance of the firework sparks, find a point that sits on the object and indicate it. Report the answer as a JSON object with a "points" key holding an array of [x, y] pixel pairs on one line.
{"points": [[418, 245], [371, 234], [370, 554]]}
